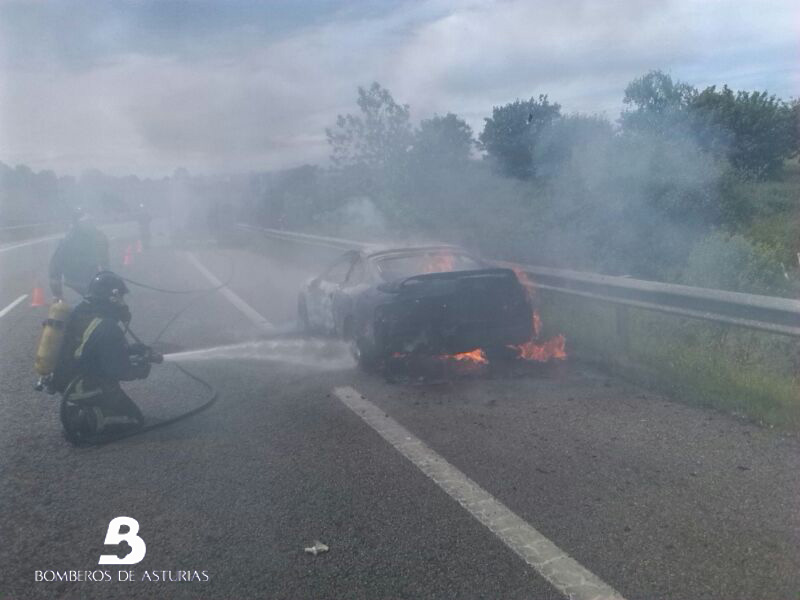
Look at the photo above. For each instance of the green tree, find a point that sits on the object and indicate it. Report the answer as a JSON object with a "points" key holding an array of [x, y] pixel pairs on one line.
{"points": [[565, 136], [376, 137], [655, 103], [441, 142], [655, 92], [756, 131], [510, 135], [427, 188]]}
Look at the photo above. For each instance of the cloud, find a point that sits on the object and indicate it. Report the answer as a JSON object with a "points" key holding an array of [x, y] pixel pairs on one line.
{"points": [[146, 87]]}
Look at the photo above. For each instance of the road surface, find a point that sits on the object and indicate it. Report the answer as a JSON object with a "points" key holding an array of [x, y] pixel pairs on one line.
{"points": [[545, 483]]}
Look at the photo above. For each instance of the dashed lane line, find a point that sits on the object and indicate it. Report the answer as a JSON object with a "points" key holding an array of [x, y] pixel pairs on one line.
{"points": [[9, 308], [248, 311], [552, 563]]}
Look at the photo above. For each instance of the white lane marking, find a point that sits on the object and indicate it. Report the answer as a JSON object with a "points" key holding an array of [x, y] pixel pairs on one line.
{"points": [[30, 242], [8, 308], [250, 312], [552, 563]]}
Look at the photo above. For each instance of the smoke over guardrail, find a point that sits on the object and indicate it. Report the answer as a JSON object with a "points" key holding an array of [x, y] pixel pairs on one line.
{"points": [[764, 313]]}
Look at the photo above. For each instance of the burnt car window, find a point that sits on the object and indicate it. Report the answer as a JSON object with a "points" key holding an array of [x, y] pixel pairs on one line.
{"points": [[357, 273], [339, 271], [397, 267]]}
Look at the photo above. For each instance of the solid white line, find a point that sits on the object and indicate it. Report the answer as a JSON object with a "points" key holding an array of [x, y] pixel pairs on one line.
{"points": [[30, 242], [552, 563], [8, 308], [250, 312]]}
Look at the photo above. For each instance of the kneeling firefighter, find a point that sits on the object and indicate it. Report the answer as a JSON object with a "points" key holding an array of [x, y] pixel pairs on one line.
{"points": [[93, 357]]}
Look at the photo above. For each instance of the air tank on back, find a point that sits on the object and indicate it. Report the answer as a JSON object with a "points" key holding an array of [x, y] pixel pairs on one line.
{"points": [[52, 338]]}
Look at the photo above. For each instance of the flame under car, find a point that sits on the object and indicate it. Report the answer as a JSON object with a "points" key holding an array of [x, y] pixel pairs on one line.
{"points": [[430, 300]]}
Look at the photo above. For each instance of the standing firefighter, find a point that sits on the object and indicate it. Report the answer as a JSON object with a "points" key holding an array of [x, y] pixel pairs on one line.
{"points": [[94, 358], [79, 256]]}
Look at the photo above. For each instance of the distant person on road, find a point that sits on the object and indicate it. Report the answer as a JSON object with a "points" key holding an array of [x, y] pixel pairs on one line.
{"points": [[79, 256], [96, 356]]}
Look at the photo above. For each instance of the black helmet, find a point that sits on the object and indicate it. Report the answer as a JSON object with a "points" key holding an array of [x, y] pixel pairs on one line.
{"points": [[106, 291], [105, 285]]}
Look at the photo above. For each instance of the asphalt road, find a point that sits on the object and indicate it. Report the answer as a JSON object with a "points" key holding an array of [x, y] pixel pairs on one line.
{"points": [[406, 485]]}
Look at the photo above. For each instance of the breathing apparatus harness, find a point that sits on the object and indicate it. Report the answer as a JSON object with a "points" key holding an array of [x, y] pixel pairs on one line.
{"points": [[100, 439]]}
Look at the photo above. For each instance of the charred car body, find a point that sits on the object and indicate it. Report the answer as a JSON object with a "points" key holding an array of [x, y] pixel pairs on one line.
{"points": [[429, 300]]}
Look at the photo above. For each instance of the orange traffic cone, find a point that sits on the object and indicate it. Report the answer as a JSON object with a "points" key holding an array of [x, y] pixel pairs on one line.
{"points": [[37, 296], [138, 246], [127, 260]]}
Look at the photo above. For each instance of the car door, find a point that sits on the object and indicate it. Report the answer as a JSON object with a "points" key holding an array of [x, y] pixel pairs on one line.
{"points": [[323, 289], [344, 299]]}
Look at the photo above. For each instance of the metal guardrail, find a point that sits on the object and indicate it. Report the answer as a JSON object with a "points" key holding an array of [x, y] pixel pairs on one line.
{"points": [[762, 313], [314, 240]]}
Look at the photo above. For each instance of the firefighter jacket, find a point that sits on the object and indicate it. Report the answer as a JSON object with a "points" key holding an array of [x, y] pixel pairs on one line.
{"points": [[100, 356]]}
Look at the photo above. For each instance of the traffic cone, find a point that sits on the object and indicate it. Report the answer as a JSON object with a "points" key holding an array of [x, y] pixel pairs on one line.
{"points": [[138, 246], [127, 260], [37, 296]]}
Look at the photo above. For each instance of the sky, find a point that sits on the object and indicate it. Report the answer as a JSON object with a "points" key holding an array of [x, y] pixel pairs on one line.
{"points": [[144, 87]]}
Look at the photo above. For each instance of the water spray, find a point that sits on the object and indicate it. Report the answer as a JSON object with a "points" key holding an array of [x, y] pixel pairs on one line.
{"points": [[320, 354]]}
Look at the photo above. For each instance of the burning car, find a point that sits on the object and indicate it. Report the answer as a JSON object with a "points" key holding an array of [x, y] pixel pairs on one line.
{"points": [[431, 300]]}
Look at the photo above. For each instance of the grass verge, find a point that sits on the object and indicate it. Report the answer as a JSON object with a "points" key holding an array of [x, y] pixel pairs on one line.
{"points": [[745, 373]]}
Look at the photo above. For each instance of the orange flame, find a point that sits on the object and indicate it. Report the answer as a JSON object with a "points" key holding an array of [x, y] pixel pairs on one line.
{"points": [[476, 356], [552, 348], [441, 263], [537, 324], [473, 357]]}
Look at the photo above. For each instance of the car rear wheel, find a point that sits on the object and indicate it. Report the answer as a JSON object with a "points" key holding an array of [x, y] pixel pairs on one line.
{"points": [[360, 347]]}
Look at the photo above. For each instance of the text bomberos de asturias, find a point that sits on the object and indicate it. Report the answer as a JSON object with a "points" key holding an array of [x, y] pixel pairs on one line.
{"points": [[100, 575]]}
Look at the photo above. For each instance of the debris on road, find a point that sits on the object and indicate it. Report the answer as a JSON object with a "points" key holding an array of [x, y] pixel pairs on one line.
{"points": [[317, 548]]}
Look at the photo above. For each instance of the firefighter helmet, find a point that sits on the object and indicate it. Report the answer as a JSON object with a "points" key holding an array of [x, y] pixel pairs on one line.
{"points": [[107, 289], [106, 285]]}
